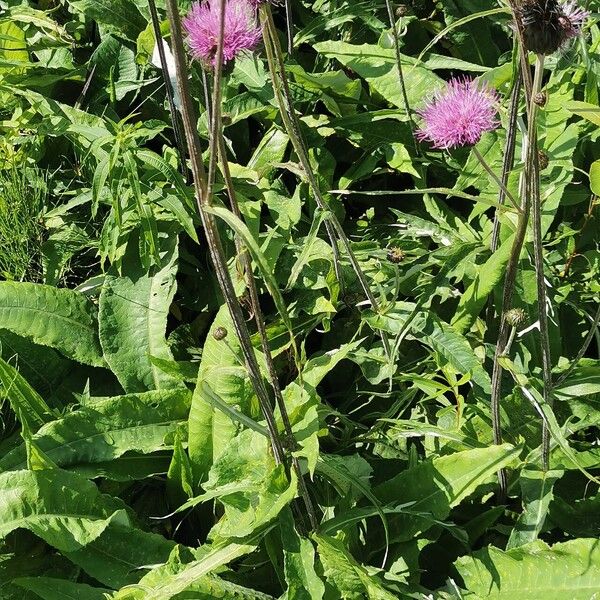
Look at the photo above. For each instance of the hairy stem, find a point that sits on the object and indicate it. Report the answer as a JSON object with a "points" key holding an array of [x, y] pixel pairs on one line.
{"points": [[407, 109], [203, 200]]}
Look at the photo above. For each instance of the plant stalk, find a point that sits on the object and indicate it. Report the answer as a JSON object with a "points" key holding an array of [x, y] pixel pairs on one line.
{"points": [[533, 170], [203, 199]]}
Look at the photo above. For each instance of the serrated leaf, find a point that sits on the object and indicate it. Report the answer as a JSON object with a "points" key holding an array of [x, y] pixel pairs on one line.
{"points": [[564, 571]]}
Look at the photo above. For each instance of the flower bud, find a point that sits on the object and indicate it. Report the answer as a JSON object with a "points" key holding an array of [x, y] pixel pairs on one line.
{"points": [[220, 333], [515, 317]]}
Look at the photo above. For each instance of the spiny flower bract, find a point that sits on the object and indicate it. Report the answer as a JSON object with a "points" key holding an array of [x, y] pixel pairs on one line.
{"points": [[573, 18], [202, 26], [458, 114]]}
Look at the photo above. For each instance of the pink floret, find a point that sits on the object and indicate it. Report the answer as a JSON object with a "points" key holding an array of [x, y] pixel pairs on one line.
{"points": [[459, 114], [575, 18], [202, 26]]}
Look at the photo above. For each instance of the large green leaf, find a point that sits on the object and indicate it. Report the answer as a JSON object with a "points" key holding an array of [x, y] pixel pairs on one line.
{"points": [[210, 430], [59, 318], [166, 582], [378, 66], [104, 430], [204, 587], [350, 579], [133, 317], [66, 511], [435, 486], [568, 571], [299, 562], [119, 16], [537, 492], [120, 554], [49, 588]]}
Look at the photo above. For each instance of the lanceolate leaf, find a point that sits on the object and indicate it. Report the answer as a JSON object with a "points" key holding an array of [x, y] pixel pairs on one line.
{"points": [[49, 588], [28, 405], [66, 511], [59, 318], [104, 430], [569, 570], [435, 486], [133, 318]]}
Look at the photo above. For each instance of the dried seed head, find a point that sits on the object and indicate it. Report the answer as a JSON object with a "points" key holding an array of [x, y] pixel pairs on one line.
{"points": [[540, 21], [543, 160], [549, 24], [220, 333], [396, 255], [515, 317]]}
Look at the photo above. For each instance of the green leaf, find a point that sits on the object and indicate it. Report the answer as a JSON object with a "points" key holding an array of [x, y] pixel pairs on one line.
{"points": [[172, 579], [441, 337], [49, 588], [210, 430], [28, 405], [118, 556], [435, 486], [377, 66], [564, 571], [299, 562], [104, 430], [119, 16], [487, 278], [595, 177], [536, 492], [133, 318], [346, 575], [59, 318], [66, 511]]}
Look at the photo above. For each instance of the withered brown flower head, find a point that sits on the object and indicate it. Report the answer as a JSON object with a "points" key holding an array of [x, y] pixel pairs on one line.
{"points": [[548, 24]]}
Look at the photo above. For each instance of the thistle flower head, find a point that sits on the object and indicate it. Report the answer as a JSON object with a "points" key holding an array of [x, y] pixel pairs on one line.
{"points": [[548, 25], [573, 18], [459, 114], [202, 26]]}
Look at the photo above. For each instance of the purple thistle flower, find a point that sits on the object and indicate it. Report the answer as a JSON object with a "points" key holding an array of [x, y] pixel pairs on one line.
{"points": [[202, 26], [458, 114], [573, 18]]}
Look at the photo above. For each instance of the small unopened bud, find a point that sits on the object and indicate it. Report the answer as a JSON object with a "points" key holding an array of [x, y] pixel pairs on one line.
{"points": [[396, 255], [543, 160], [515, 317], [220, 333], [541, 98], [402, 10]]}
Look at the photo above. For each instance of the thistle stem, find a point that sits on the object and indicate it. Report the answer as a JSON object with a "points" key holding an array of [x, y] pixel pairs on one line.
{"points": [[168, 89], [203, 200], [538, 253], [260, 325], [407, 109]]}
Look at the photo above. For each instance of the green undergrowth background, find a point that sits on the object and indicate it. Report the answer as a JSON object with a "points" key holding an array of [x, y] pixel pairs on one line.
{"points": [[133, 457]]}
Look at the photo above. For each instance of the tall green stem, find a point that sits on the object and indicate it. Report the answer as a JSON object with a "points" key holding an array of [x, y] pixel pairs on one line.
{"points": [[538, 253], [526, 189]]}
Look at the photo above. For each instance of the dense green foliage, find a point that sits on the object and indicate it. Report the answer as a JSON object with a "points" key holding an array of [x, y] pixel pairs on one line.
{"points": [[135, 462]]}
